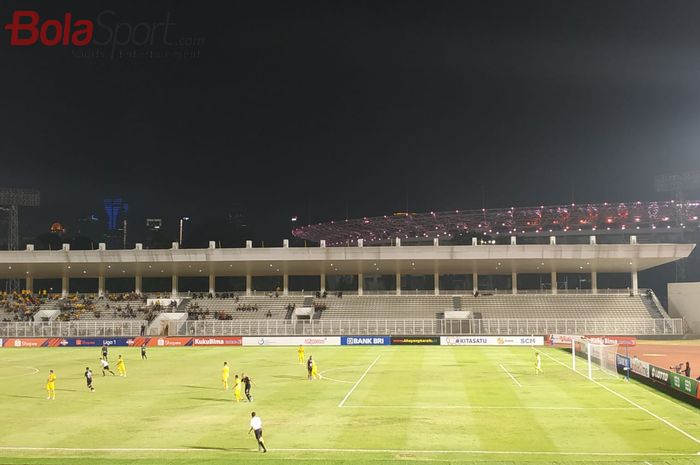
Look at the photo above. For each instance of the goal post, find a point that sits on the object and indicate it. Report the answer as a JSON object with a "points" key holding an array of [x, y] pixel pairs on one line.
{"points": [[601, 358]]}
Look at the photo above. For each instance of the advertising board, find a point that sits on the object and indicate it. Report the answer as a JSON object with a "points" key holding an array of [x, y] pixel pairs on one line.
{"points": [[639, 367], [291, 341], [492, 340], [415, 340], [623, 362], [217, 341], [683, 384], [365, 341], [659, 374], [625, 341]]}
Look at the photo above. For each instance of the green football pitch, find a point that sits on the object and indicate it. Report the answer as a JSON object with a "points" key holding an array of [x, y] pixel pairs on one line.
{"points": [[375, 405]]}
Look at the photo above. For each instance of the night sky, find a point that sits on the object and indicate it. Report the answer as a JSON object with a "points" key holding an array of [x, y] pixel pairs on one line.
{"points": [[359, 108]]}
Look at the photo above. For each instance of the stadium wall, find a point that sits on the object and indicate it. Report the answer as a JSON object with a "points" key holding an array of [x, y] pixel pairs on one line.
{"points": [[683, 301]]}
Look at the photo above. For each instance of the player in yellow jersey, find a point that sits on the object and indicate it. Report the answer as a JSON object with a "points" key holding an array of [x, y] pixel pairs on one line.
{"points": [[538, 363], [224, 375], [121, 367], [314, 370], [51, 386], [237, 388], [300, 351]]}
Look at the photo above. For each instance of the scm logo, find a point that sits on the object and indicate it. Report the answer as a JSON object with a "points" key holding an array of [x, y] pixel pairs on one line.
{"points": [[27, 28]]}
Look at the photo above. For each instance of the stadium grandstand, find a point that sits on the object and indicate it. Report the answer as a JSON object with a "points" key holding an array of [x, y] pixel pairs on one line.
{"points": [[478, 287], [573, 219]]}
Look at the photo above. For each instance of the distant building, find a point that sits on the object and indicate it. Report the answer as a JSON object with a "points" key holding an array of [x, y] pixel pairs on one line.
{"points": [[57, 228], [154, 224], [90, 226], [155, 234], [237, 218], [116, 210]]}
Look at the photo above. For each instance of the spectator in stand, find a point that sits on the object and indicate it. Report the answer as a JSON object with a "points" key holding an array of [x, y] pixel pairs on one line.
{"points": [[686, 372]]}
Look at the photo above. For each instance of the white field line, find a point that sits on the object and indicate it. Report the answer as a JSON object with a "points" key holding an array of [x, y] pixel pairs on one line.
{"points": [[497, 452], [393, 451], [321, 375], [34, 371], [663, 420], [481, 407], [511, 376], [357, 383]]}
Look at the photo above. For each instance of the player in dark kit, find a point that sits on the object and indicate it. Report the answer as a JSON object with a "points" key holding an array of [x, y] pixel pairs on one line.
{"points": [[88, 379], [246, 384], [104, 351], [310, 367], [143, 352]]}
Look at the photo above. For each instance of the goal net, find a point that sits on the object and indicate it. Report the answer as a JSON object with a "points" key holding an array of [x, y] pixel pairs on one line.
{"points": [[599, 360]]}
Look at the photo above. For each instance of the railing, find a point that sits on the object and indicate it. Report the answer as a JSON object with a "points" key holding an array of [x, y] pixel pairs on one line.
{"points": [[426, 292], [72, 328], [427, 327], [351, 327], [659, 306]]}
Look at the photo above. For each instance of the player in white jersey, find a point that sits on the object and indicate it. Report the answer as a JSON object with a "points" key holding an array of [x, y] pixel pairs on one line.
{"points": [[105, 367], [256, 425]]}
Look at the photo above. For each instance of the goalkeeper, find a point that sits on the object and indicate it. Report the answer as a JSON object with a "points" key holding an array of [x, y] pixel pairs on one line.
{"points": [[538, 363]]}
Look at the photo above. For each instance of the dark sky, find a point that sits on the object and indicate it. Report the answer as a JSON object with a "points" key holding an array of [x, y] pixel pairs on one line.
{"points": [[317, 108]]}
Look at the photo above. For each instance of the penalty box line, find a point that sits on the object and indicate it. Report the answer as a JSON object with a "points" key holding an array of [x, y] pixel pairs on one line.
{"points": [[630, 401], [348, 450], [357, 383], [511, 375]]}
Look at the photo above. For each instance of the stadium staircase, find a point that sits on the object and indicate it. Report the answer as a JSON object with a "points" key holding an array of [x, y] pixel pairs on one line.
{"points": [[654, 305]]}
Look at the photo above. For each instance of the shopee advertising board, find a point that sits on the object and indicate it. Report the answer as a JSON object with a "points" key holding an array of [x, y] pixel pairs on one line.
{"points": [[291, 341], [492, 340]]}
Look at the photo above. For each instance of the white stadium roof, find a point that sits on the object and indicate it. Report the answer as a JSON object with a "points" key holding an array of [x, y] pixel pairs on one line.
{"points": [[411, 260]]}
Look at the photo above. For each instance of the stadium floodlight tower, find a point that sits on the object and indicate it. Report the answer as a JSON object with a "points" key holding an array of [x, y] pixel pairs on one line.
{"points": [[10, 201]]}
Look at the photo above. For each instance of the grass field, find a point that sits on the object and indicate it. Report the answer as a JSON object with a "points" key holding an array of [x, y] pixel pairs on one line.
{"points": [[374, 405]]}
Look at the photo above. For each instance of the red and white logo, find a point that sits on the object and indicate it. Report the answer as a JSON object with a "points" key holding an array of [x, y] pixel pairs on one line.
{"points": [[27, 28]]}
